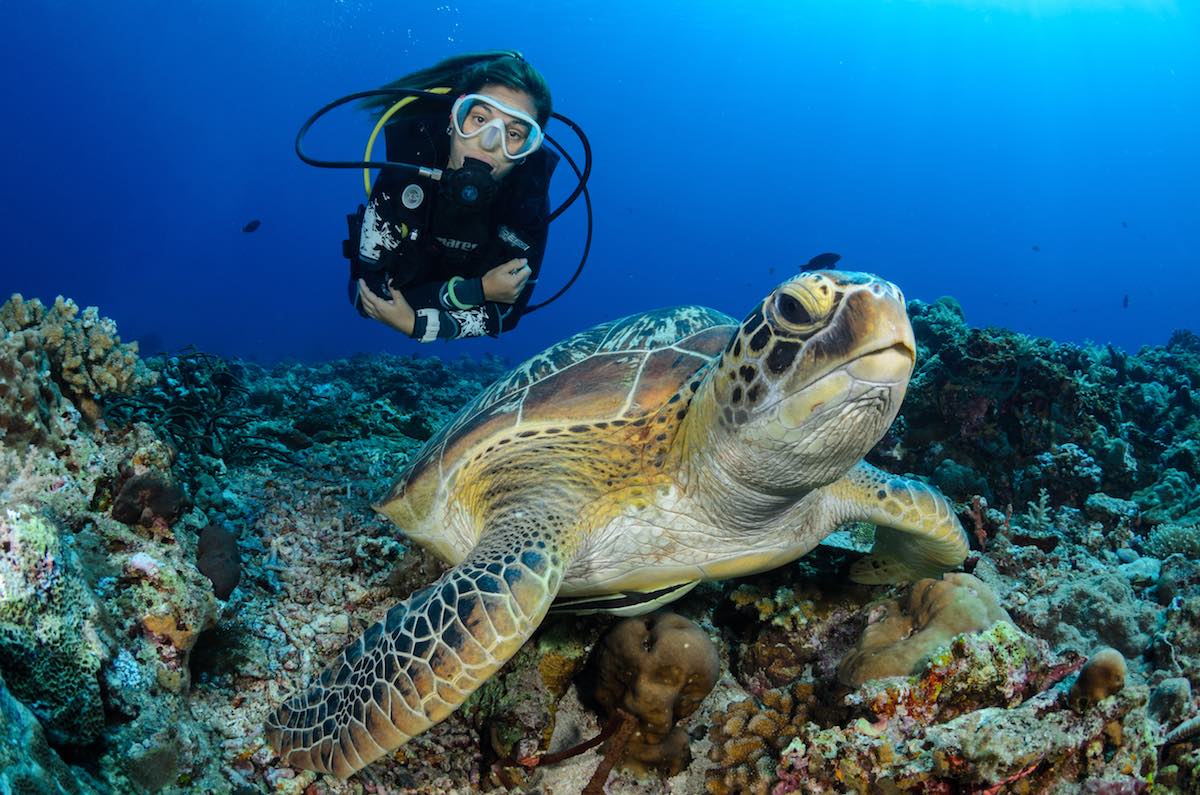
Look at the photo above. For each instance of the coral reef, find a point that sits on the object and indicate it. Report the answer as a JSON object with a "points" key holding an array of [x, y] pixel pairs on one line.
{"points": [[52, 638], [1031, 746], [1014, 414], [1001, 666], [1084, 460], [1082, 612], [27, 764]]}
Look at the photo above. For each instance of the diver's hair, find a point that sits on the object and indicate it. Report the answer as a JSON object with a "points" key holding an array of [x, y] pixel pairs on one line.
{"points": [[471, 72]]}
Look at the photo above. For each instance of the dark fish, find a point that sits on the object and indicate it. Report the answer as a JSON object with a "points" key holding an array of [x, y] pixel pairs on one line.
{"points": [[252, 225], [1124, 225], [150, 343], [1125, 301], [821, 262], [1037, 247]]}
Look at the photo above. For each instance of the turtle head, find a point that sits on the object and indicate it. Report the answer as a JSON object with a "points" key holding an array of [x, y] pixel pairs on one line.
{"points": [[813, 378]]}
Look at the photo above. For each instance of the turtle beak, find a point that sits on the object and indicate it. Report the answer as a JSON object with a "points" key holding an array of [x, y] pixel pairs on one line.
{"points": [[885, 366]]}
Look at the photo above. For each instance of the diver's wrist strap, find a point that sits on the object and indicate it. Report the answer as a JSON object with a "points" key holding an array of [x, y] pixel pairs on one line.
{"points": [[460, 293]]}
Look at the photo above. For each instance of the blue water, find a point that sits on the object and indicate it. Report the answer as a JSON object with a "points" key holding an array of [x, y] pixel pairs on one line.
{"points": [[934, 143]]}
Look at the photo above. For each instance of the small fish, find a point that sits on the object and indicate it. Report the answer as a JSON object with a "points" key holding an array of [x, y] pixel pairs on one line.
{"points": [[1125, 301], [1036, 247], [252, 225], [821, 262], [1124, 225]]}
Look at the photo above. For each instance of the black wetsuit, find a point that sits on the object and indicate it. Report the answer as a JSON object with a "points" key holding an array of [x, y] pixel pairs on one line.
{"points": [[436, 253]]}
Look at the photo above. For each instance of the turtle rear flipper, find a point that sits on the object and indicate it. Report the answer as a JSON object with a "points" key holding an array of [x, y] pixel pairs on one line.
{"points": [[918, 534], [430, 652]]}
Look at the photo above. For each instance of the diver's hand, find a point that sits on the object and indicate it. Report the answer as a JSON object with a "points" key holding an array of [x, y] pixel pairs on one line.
{"points": [[395, 312], [505, 282]]}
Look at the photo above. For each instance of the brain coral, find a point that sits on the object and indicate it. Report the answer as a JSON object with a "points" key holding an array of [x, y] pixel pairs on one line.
{"points": [[913, 628], [50, 644], [1103, 675], [657, 667]]}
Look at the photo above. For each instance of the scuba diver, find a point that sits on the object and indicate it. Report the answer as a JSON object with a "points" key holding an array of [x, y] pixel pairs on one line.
{"points": [[451, 240]]}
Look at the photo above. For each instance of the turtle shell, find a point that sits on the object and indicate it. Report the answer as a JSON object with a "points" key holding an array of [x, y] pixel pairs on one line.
{"points": [[621, 369]]}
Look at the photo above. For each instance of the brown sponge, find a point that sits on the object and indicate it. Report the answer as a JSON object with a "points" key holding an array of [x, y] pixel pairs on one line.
{"points": [[217, 559], [145, 498], [1101, 676], [658, 668], [915, 627]]}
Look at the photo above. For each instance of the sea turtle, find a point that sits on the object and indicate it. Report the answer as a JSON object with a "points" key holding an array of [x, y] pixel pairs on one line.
{"points": [[618, 469]]}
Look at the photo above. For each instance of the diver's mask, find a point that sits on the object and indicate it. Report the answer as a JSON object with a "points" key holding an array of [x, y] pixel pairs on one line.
{"points": [[514, 132]]}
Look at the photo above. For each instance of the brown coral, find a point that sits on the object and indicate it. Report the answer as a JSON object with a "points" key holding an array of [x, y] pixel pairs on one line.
{"points": [[80, 353], [1102, 676], [749, 736], [658, 668], [912, 629], [32, 409]]}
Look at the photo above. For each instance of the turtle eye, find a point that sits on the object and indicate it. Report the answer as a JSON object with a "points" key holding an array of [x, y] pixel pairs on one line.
{"points": [[791, 310]]}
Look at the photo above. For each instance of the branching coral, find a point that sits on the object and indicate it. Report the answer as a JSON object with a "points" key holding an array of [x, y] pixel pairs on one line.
{"points": [[749, 736], [1169, 539], [84, 354], [1037, 516]]}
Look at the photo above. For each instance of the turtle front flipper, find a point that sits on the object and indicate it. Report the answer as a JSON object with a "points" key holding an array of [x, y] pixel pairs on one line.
{"points": [[430, 652], [918, 534]]}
